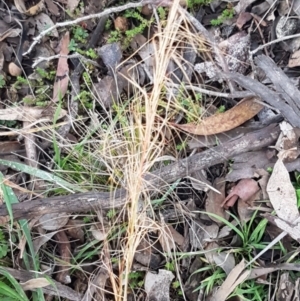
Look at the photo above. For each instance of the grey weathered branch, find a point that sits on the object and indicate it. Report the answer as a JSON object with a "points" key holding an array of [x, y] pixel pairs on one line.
{"points": [[103, 200]]}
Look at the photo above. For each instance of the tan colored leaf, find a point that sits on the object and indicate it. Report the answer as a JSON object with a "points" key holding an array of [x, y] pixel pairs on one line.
{"points": [[99, 234], [235, 277], [35, 283], [31, 11], [245, 189], [9, 146], [168, 237], [62, 74], [222, 122], [245, 208], [282, 193], [214, 201], [30, 114], [243, 18], [72, 4], [53, 221], [52, 8]]}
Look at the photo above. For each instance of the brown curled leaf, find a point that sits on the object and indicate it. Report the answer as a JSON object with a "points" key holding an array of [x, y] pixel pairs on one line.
{"points": [[222, 122], [62, 74]]}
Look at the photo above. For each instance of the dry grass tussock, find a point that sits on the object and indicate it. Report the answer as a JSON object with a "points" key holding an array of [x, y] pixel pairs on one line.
{"points": [[119, 150]]}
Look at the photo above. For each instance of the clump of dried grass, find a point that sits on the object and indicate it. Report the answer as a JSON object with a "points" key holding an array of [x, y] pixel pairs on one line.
{"points": [[130, 141]]}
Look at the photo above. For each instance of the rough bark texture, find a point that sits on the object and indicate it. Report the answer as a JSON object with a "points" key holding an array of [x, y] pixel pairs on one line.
{"points": [[102, 200]]}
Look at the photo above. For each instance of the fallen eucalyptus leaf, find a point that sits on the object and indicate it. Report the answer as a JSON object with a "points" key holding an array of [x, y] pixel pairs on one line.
{"points": [[222, 122]]}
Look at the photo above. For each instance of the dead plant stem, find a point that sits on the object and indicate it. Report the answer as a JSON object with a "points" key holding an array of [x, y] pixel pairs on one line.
{"points": [[297, 35]]}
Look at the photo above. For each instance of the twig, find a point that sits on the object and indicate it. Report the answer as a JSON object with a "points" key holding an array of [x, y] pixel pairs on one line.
{"points": [[70, 56], [297, 35], [81, 19], [241, 94], [268, 247]]}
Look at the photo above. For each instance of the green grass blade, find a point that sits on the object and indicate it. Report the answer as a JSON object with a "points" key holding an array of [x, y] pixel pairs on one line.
{"points": [[7, 291], [18, 288], [259, 231], [41, 174], [10, 198], [226, 222]]}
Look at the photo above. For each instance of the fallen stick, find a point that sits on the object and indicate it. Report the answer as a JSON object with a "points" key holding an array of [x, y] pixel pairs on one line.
{"points": [[104, 200]]}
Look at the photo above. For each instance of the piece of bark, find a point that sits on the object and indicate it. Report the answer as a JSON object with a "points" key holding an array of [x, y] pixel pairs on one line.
{"points": [[105, 200], [269, 96]]}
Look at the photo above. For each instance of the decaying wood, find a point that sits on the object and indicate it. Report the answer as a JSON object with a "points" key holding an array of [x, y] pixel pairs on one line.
{"points": [[89, 201]]}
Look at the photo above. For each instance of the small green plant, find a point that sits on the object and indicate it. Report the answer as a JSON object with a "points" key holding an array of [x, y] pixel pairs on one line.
{"points": [[170, 266], [8, 123], [87, 219], [251, 290], [2, 81], [4, 246], [49, 75], [114, 36], [111, 213], [91, 53], [108, 24], [79, 34], [126, 38], [297, 187], [19, 82], [162, 13], [136, 279], [72, 45], [216, 278], [191, 106], [221, 109], [193, 3], [181, 146], [86, 99], [177, 287], [227, 14]]}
